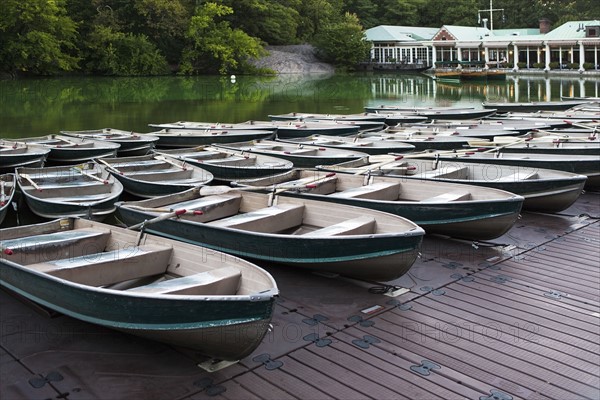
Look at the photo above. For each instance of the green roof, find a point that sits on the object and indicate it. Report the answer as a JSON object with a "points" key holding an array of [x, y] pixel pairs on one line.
{"points": [[389, 33], [571, 30]]}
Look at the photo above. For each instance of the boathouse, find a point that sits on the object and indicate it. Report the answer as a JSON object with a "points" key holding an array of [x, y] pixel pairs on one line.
{"points": [[574, 45]]}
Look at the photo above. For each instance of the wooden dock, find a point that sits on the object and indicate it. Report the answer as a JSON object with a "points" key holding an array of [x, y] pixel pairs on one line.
{"points": [[514, 318]]}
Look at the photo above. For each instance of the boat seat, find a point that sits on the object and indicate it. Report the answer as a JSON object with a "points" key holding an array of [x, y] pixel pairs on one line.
{"points": [[213, 207], [221, 281], [76, 199], [356, 226], [108, 268], [519, 176], [267, 220], [163, 175], [303, 152], [51, 246], [448, 172], [447, 197], [375, 191], [233, 161]]}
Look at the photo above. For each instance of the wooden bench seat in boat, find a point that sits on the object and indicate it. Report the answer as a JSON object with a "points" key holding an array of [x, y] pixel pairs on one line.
{"points": [[158, 175], [220, 281], [272, 219], [519, 176], [447, 171], [80, 198], [50, 246], [356, 226], [304, 152], [213, 207], [376, 191], [233, 161], [108, 268], [447, 197]]}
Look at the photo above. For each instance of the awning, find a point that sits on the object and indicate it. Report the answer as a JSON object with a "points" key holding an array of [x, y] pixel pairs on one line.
{"points": [[496, 44], [468, 45], [563, 43], [530, 43], [444, 43], [594, 42]]}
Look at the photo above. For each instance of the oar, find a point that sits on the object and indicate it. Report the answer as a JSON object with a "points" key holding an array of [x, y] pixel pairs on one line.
{"points": [[2, 194], [165, 159], [110, 166], [163, 210], [559, 135], [161, 217], [378, 165], [31, 182], [507, 145], [584, 126], [91, 176]]}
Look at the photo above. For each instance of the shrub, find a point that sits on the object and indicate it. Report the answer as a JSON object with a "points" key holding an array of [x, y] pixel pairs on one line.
{"points": [[573, 65], [554, 65], [588, 66], [539, 65], [521, 65]]}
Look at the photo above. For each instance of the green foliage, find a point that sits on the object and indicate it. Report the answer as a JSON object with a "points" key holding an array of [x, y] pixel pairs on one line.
{"points": [[539, 65], [554, 65], [214, 46], [522, 65], [342, 43], [588, 66], [125, 54], [573, 65], [36, 36]]}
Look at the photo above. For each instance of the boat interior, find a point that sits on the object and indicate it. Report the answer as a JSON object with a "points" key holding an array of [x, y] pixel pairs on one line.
{"points": [[157, 168], [80, 252], [262, 213], [75, 184]]}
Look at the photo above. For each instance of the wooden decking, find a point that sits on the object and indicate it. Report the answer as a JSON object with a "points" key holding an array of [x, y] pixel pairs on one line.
{"points": [[514, 318]]}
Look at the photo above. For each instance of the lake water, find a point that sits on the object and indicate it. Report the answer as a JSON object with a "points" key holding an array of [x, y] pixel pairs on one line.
{"points": [[43, 106]]}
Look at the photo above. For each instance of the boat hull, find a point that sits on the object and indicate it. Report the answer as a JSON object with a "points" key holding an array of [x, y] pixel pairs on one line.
{"points": [[176, 141], [224, 327], [373, 256]]}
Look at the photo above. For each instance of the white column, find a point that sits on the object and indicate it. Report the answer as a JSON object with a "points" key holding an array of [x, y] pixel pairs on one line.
{"points": [[547, 61], [560, 57], [459, 56], [581, 57], [528, 61], [486, 57], [515, 57], [433, 56]]}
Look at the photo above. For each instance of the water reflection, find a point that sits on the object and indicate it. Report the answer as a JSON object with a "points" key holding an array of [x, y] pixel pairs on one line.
{"points": [[38, 107]]}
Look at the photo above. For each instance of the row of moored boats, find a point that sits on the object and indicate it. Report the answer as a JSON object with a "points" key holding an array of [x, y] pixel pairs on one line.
{"points": [[351, 195]]}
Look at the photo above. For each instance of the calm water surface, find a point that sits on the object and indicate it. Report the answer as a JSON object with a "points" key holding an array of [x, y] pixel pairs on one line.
{"points": [[44, 106]]}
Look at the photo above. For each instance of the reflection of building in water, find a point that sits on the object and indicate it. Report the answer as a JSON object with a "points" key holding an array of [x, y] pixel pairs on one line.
{"points": [[411, 89]]}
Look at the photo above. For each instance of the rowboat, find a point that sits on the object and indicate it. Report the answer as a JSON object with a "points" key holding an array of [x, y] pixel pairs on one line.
{"points": [[16, 154], [228, 165], [84, 190], [178, 138], [365, 121], [553, 146], [8, 185], [72, 150], [411, 109], [497, 125], [215, 126], [155, 175], [502, 107], [458, 210], [437, 112], [345, 240], [422, 140], [132, 144], [466, 131], [288, 129], [159, 289], [302, 156], [544, 190], [577, 164], [370, 145]]}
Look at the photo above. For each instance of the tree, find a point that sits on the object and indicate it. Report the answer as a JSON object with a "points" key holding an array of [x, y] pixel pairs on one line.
{"points": [[214, 46], [37, 37], [118, 53], [343, 43], [457, 12], [365, 10]]}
